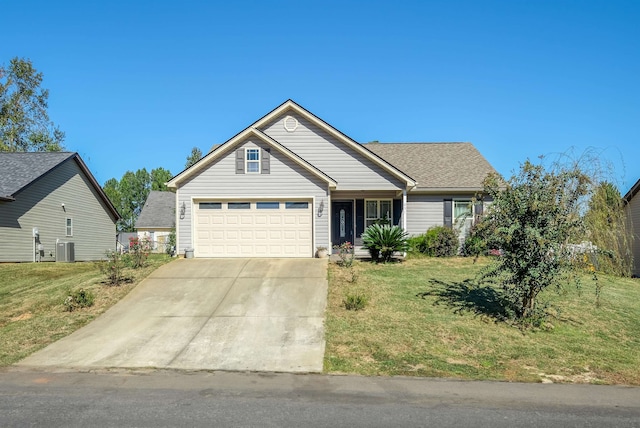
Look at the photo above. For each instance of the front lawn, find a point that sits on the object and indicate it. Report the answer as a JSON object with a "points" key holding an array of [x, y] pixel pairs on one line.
{"points": [[32, 295], [422, 319]]}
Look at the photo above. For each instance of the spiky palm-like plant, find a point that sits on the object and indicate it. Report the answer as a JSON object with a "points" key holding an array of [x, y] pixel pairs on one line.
{"points": [[382, 240]]}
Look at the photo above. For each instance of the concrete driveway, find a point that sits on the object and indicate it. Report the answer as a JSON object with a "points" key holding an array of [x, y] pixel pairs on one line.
{"points": [[216, 314]]}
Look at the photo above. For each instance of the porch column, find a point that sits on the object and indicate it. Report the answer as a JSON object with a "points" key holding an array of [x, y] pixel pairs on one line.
{"points": [[404, 209], [404, 214]]}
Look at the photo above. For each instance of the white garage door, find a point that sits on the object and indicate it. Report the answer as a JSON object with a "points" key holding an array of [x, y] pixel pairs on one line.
{"points": [[253, 229]]}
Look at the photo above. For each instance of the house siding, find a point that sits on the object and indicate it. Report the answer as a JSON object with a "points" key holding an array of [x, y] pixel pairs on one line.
{"points": [[285, 180], [40, 205], [633, 214], [349, 168], [425, 211]]}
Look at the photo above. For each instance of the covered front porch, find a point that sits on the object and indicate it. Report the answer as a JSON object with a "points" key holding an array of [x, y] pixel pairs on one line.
{"points": [[351, 213]]}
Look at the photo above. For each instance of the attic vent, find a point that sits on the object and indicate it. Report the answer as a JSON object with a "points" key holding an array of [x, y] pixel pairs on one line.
{"points": [[290, 123]]}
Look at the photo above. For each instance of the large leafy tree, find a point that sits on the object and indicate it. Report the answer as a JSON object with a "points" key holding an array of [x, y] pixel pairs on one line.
{"points": [[130, 193], [195, 156], [24, 120], [532, 219]]}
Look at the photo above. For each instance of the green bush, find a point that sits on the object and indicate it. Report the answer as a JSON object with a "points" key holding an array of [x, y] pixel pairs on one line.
{"points": [[355, 302], [438, 241], [475, 244], [383, 240], [79, 299]]}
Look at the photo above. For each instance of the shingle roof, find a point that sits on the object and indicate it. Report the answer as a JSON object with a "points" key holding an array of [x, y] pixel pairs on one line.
{"points": [[437, 165], [158, 211], [18, 170]]}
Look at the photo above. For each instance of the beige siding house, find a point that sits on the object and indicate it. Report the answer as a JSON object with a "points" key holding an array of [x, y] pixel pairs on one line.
{"points": [[632, 207], [51, 198], [290, 183], [157, 219]]}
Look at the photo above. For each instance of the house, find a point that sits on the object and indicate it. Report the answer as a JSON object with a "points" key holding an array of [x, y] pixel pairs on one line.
{"points": [[48, 198], [632, 209], [157, 219], [290, 183]]}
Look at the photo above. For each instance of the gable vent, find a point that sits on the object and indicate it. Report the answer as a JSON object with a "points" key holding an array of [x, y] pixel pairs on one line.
{"points": [[290, 123]]}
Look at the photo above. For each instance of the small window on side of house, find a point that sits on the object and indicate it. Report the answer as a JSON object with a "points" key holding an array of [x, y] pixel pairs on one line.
{"points": [[69, 226]]}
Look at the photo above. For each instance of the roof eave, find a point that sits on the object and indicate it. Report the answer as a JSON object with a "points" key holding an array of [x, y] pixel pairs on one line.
{"points": [[292, 105], [226, 146]]}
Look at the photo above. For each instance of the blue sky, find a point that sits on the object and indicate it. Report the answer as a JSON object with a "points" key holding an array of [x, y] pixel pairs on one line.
{"points": [[139, 83]]}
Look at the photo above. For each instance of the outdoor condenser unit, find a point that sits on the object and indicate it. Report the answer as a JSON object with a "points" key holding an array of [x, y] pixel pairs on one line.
{"points": [[65, 252]]}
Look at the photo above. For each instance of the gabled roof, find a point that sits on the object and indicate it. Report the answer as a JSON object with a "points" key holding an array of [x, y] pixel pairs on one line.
{"points": [[632, 192], [291, 105], [159, 211], [218, 151], [19, 170], [437, 166]]}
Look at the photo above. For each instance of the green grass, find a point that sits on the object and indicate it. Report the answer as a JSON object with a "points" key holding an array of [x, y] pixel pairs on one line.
{"points": [[422, 319], [32, 314]]}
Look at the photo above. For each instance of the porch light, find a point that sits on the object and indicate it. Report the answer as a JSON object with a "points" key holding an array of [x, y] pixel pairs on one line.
{"points": [[320, 208], [183, 208]]}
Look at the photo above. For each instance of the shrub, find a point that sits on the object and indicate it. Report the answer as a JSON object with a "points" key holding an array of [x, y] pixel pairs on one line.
{"points": [[383, 240], [441, 241], [139, 250], [355, 301], [417, 244], [346, 254], [475, 244], [79, 299], [113, 268]]}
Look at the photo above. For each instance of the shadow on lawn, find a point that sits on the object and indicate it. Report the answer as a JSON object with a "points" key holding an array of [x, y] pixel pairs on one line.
{"points": [[467, 296]]}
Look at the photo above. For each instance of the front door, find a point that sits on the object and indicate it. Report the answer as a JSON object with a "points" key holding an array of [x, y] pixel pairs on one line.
{"points": [[342, 222]]}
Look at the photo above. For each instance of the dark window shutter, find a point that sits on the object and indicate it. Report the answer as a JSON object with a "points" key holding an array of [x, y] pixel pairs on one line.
{"points": [[448, 208], [266, 161], [240, 161], [359, 217], [397, 211], [478, 210]]}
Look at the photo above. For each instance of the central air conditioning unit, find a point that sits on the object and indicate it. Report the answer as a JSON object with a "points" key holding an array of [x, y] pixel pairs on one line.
{"points": [[65, 252]]}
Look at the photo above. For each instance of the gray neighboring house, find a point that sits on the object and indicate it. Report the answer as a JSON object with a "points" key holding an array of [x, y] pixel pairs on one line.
{"points": [[52, 197], [632, 208], [157, 219], [290, 183]]}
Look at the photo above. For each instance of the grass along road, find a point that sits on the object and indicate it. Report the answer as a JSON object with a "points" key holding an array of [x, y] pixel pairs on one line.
{"points": [[453, 331], [32, 314]]}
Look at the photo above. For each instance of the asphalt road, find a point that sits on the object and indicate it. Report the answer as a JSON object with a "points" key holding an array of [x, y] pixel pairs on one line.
{"points": [[220, 399]]}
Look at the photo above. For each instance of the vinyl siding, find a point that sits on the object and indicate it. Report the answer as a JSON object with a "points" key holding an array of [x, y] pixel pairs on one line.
{"points": [[425, 211], [285, 180], [40, 205], [633, 214], [350, 169]]}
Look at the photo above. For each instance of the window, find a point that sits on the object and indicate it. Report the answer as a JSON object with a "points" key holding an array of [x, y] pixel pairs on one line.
{"points": [[239, 205], [296, 205], [69, 224], [267, 205], [210, 205], [252, 164], [462, 210], [376, 210], [462, 216]]}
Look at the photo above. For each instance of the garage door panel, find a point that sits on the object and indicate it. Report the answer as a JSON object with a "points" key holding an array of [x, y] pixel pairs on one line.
{"points": [[264, 232]]}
